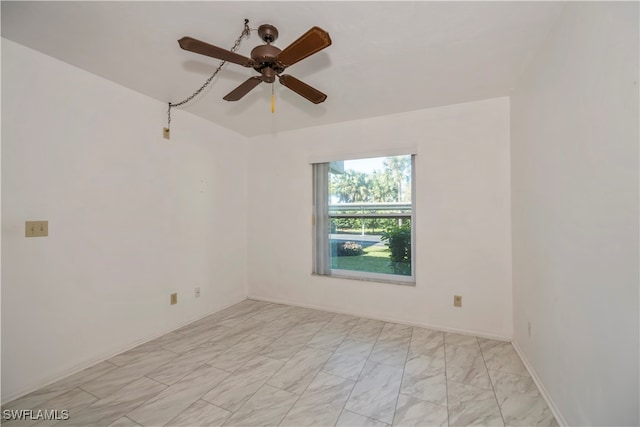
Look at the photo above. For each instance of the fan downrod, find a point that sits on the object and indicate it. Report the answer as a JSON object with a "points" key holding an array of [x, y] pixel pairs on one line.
{"points": [[265, 56]]}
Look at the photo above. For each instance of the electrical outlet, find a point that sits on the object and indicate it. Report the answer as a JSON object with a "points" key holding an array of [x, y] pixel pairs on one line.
{"points": [[457, 301], [197, 292], [174, 299], [36, 228], [166, 133]]}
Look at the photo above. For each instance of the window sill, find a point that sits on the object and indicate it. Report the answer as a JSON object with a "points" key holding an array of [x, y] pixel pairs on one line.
{"points": [[367, 279]]}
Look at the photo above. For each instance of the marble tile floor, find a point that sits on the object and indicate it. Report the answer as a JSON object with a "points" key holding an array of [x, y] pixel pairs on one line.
{"points": [[263, 364]]}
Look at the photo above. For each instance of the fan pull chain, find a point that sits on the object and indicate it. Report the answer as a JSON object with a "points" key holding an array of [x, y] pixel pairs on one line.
{"points": [[246, 31], [273, 100]]}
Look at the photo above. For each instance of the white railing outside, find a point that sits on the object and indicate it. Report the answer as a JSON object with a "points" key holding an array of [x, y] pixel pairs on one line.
{"points": [[370, 210]]}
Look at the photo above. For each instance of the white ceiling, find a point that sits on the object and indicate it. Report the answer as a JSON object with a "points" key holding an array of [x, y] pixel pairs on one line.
{"points": [[386, 57]]}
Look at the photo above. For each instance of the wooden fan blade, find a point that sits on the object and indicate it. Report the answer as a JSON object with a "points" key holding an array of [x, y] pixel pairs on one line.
{"points": [[197, 46], [302, 89], [311, 42], [243, 89]]}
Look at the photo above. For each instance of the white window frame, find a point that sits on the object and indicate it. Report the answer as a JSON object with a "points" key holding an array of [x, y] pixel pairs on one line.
{"points": [[321, 220]]}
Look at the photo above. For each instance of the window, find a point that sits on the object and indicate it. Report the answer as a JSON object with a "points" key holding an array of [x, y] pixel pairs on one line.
{"points": [[364, 218]]}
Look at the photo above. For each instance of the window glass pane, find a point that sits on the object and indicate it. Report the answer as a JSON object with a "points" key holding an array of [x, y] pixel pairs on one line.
{"points": [[370, 210]]}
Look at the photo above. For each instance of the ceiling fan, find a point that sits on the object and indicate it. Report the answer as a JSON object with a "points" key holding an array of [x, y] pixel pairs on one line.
{"points": [[268, 60]]}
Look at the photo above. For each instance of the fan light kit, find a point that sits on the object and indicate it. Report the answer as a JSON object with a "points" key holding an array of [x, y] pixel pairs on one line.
{"points": [[266, 59]]}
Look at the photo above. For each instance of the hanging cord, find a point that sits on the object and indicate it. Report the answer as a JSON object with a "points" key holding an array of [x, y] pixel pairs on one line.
{"points": [[245, 33]]}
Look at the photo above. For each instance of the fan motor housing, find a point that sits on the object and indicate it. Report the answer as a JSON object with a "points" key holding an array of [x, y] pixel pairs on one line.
{"points": [[266, 56]]}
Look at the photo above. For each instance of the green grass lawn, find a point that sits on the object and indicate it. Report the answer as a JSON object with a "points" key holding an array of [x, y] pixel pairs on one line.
{"points": [[375, 259]]}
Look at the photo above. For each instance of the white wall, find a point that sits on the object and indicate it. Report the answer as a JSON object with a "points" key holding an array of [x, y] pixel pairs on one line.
{"points": [[132, 218], [462, 224], [574, 161]]}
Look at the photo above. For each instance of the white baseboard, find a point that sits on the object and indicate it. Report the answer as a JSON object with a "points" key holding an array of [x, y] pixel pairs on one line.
{"points": [[103, 357], [383, 318], [543, 390]]}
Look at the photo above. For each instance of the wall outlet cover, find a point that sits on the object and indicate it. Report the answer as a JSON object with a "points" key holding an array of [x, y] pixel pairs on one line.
{"points": [[457, 301]]}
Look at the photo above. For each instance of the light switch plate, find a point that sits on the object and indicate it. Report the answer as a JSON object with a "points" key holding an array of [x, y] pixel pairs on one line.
{"points": [[36, 229]]}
